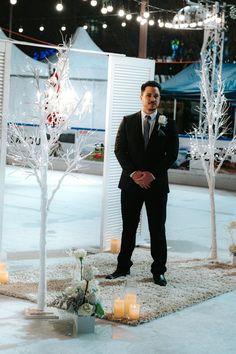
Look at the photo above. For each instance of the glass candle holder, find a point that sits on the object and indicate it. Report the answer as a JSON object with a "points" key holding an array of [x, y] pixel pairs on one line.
{"points": [[129, 299], [115, 245], [119, 308], [4, 276], [134, 312]]}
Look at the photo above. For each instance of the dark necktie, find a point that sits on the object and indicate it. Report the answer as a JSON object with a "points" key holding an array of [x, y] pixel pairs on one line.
{"points": [[146, 130]]}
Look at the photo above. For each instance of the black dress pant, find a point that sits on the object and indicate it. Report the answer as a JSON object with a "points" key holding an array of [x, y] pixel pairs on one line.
{"points": [[131, 205]]}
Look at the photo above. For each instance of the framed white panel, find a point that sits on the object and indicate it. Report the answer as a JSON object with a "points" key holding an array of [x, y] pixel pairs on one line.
{"points": [[5, 62], [125, 76]]}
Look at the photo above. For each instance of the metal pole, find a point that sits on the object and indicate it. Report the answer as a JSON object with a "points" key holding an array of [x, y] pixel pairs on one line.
{"points": [[143, 32], [10, 20]]}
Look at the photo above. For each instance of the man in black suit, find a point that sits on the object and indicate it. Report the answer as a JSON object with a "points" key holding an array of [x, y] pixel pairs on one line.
{"points": [[146, 146]]}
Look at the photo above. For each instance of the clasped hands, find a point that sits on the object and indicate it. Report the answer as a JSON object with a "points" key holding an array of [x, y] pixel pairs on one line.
{"points": [[143, 178]]}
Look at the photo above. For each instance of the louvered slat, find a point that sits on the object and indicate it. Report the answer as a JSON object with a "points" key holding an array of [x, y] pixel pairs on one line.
{"points": [[124, 80], [5, 57]]}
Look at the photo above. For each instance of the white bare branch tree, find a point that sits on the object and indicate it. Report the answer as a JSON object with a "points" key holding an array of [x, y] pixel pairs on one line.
{"points": [[37, 149], [214, 121]]}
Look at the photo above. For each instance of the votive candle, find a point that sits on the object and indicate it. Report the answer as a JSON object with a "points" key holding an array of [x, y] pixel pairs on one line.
{"points": [[3, 277], [115, 245], [130, 298], [119, 308], [134, 311]]}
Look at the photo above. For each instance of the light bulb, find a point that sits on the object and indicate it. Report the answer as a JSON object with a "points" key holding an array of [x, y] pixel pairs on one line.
{"points": [[104, 10], [59, 6], [139, 18], [123, 24], [151, 22], [13, 2], [85, 27], [146, 14], [109, 8], [41, 28], [63, 28], [128, 17], [104, 25], [121, 12], [20, 29], [93, 3]]}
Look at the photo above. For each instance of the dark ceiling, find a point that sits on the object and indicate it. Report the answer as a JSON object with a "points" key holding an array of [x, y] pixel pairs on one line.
{"points": [[31, 14]]}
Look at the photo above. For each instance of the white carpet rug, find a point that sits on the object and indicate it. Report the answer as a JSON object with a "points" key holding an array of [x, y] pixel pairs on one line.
{"points": [[189, 282]]}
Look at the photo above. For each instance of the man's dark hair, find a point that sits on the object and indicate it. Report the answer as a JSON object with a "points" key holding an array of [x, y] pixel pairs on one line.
{"points": [[152, 84]]}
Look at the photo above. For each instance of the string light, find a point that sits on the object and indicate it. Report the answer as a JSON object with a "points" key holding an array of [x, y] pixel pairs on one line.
{"points": [[104, 10], [146, 14], [193, 16], [93, 3], [106, 7], [109, 7], [121, 13], [59, 6]]}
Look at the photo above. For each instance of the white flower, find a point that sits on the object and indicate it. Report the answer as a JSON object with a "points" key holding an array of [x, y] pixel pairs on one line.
{"points": [[86, 310], [79, 253], [162, 120], [88, 272]]}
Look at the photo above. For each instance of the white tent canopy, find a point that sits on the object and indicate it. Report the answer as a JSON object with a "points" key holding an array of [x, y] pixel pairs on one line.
{"points": [[87, 65]]}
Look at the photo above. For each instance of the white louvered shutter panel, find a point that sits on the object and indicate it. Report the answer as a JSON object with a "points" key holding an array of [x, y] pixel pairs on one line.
{"points": [[5, 61], [125, 76]]}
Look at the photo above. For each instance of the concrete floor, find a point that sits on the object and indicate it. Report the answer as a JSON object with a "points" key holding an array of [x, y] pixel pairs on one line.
{"points": [[209, 327]]}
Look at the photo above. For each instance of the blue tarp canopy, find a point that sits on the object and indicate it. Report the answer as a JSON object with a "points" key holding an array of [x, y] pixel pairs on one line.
{"points": [[186, 84]]}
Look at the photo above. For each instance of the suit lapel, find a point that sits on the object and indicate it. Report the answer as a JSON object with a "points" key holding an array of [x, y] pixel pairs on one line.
{"points": [[139, 130]]}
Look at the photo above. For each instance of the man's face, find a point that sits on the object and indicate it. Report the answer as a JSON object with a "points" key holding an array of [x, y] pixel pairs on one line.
{"points": [[150, 98]]}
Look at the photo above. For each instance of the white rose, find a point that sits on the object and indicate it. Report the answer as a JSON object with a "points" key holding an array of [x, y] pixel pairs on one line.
{"points": [[162, 120], [86, 310]]}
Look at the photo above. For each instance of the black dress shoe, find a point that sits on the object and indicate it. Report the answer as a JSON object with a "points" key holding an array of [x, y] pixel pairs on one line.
{"points": [[159, 279], [117, 273]]}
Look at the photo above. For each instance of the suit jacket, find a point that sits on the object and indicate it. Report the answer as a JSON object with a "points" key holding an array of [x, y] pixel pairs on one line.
{"points": [[160, 154]]}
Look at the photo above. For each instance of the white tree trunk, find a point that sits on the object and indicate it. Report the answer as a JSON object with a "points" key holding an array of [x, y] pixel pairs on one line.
{"points": [[213, 214], [42, 289]]}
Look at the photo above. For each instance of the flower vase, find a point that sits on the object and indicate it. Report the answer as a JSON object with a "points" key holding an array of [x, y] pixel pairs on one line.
{"points": [[76, 272], [234, 259], [84, 324]]}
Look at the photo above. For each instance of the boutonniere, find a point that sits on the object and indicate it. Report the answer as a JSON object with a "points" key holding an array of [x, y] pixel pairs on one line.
{"points": [[162, 120]]}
